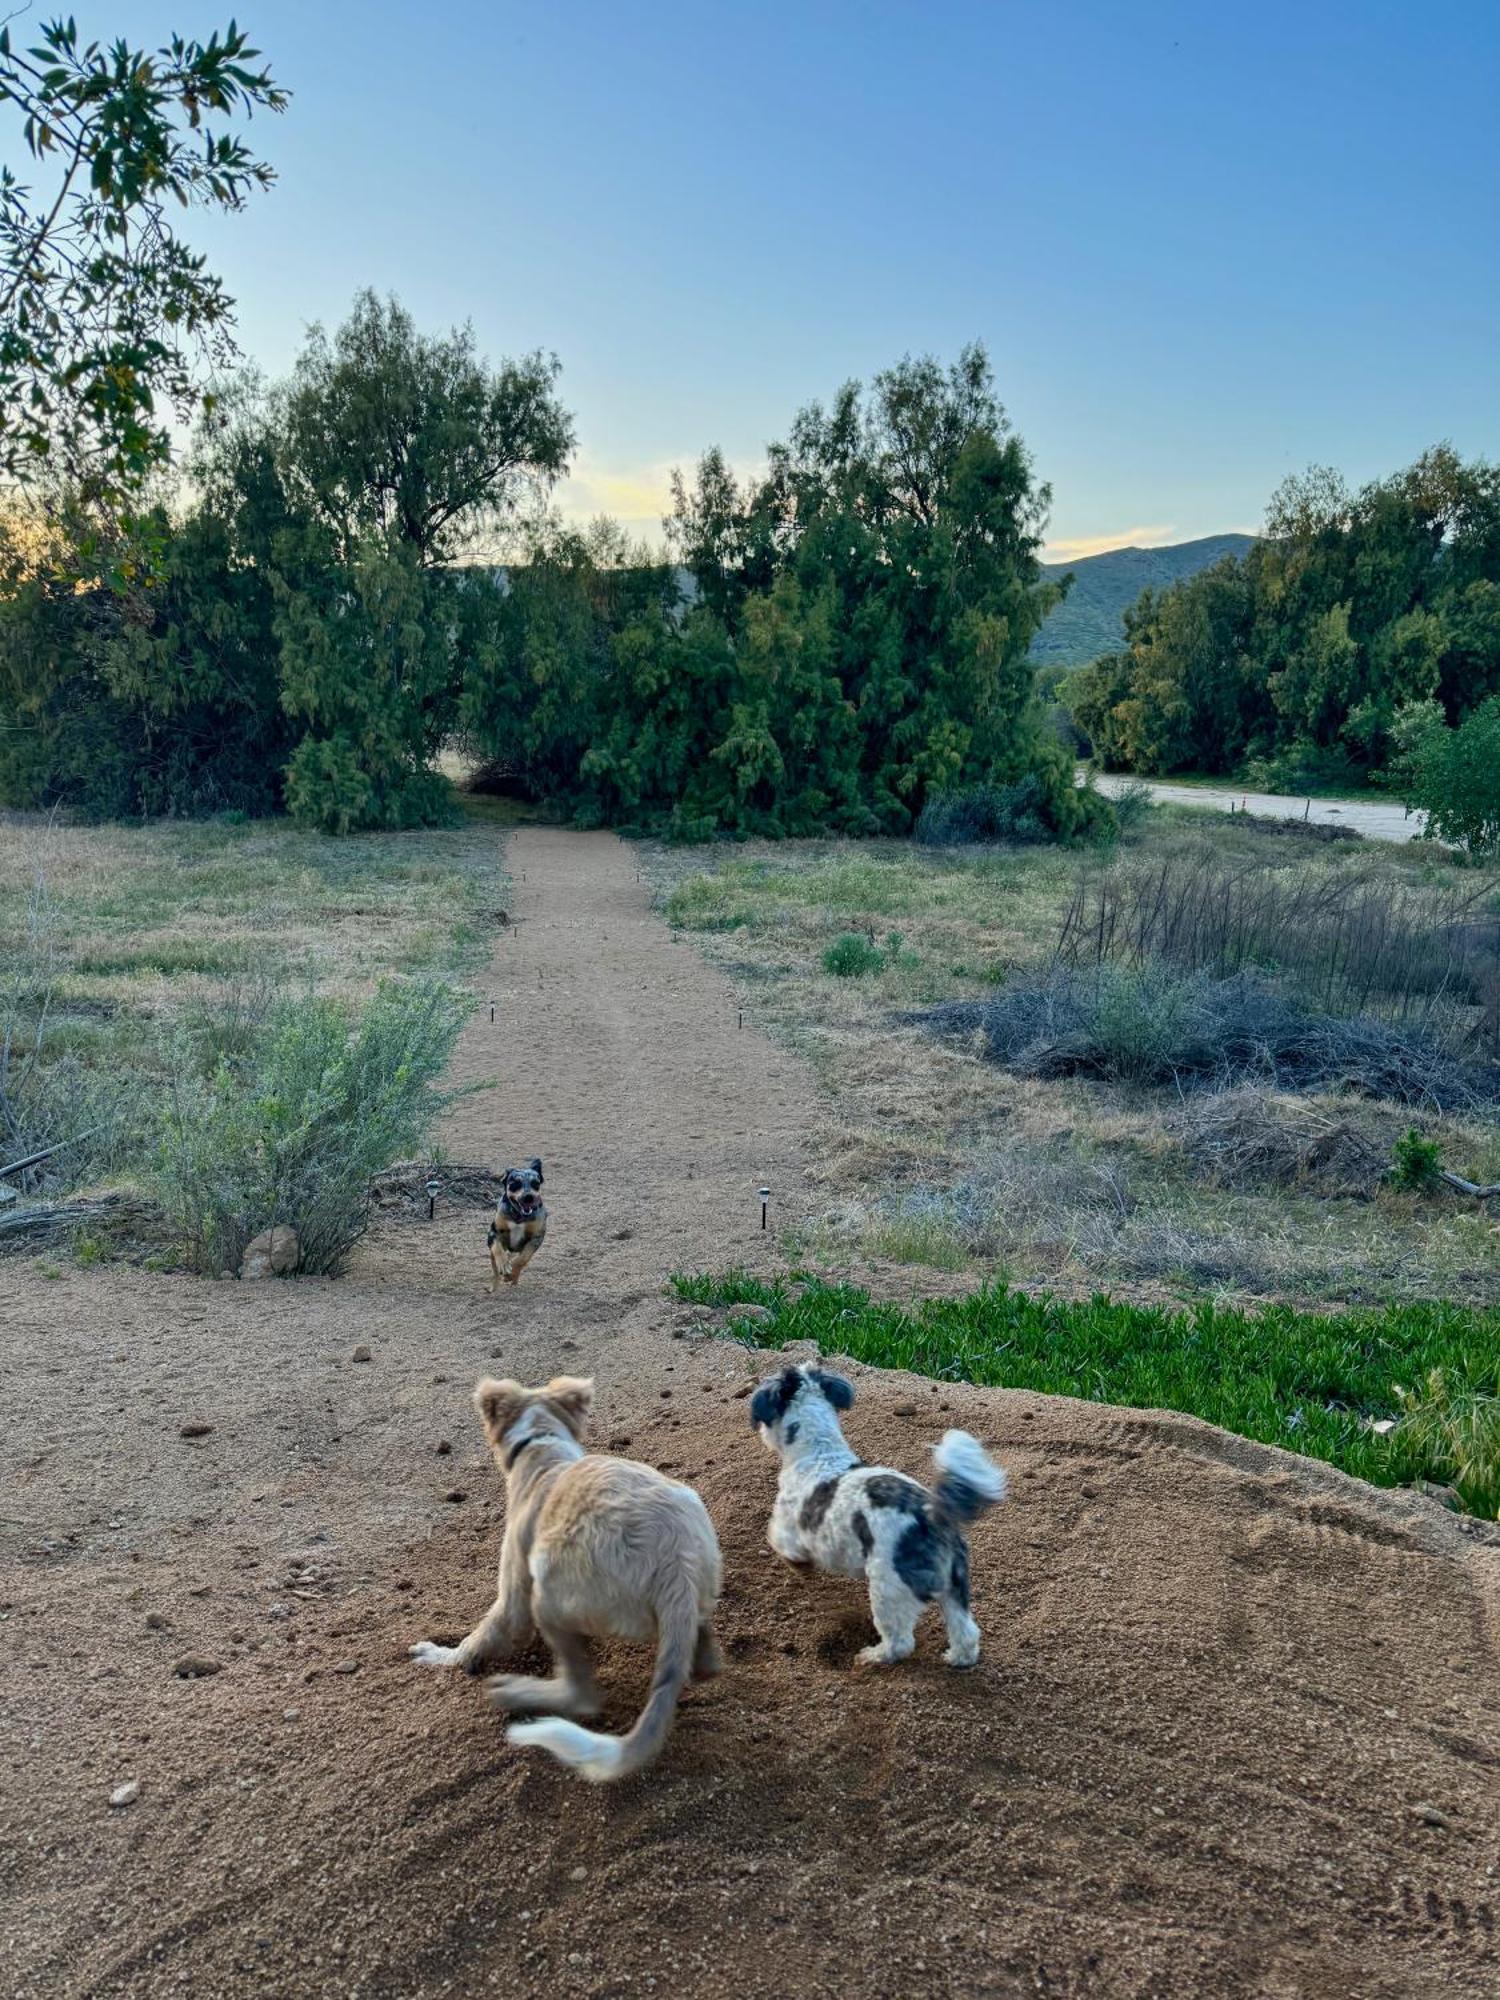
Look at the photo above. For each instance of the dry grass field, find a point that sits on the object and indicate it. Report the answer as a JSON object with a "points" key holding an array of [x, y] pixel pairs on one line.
{"points": [[942, 1168]]}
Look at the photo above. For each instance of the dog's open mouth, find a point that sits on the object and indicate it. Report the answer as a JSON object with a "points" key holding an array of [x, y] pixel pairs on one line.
{"points": [[525, 1204]]}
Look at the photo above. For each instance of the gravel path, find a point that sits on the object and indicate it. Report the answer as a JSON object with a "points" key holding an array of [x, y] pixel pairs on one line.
{"points": [[1374, 821]]}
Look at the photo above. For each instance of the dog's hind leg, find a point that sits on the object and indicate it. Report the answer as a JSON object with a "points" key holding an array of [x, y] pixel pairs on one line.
{"points": [[963, 1632], [572, 1690], [895, 1610], [707, 1659]]}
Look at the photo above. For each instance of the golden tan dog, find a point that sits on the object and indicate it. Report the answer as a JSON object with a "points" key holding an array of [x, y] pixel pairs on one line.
{"points": [[594, 1547]]}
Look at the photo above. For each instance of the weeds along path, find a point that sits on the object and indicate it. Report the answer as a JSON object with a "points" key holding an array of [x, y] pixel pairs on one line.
{"points": [[1235, 1733]]}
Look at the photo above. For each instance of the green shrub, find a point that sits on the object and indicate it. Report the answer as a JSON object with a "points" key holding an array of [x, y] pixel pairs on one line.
{"points": [[1417, 1163], [1454, 776], [293, 1131], [851, 956]]}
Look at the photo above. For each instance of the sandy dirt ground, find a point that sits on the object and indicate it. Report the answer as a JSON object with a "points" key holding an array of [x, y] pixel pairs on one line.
{"points": [[1235, 1732], [1369, 817]]}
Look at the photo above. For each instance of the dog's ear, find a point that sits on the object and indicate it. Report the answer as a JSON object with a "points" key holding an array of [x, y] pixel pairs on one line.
{"points": [[772, 1400], [572, 1396], [536, 1168], [838, 1391], [499, 1404]]}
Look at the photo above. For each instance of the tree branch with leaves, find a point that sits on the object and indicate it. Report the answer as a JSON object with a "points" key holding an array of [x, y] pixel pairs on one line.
{"points": [[105, 312]]}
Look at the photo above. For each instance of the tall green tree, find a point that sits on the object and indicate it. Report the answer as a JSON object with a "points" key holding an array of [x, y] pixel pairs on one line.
{"points": [[884, 580], [1301, 656], [390, 435], [402, 452], [105, 312]]}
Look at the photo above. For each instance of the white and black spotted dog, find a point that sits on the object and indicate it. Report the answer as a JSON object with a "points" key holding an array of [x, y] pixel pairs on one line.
{"points": [[850, 1518]]}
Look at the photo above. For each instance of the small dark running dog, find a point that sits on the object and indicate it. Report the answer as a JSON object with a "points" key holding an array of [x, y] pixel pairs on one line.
{"points": [[519, 1225], [852, 1519]]}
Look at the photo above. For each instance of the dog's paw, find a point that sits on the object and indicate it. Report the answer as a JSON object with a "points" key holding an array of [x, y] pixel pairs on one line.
{"points": [[520, 1694], [967, 1657], [427, 1653]]}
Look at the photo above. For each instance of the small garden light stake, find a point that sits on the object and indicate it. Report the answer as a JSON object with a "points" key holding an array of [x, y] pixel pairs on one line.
{"points": [[765, 1196], [432, 1195]]}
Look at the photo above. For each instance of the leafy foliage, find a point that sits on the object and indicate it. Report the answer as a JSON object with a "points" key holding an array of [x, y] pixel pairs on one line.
{"points": [[398, 439], [103, 308], [1454, 776], [1041, 806], [1417, 1162], [1299, 659], [851, 955], [297, 636], [294, 1129], [855, 639]]}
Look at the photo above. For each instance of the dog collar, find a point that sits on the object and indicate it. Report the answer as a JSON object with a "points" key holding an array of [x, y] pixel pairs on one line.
{"points": [[531, 1437]]}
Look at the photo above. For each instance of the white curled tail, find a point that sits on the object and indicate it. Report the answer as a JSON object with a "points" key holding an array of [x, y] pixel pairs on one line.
{"points": [[968, 1483]]}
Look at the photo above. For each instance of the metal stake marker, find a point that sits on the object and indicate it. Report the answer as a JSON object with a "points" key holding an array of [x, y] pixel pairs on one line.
{"points": [[492, 1013], [432, 1195], [742, 1017], [765, 1196]]}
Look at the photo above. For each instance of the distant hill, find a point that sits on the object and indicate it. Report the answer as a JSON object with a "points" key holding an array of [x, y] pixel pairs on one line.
{"points": [[1090, 619]]}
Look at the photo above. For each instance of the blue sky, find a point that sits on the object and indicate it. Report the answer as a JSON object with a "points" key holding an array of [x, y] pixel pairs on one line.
{"points": [[1204, 246]]}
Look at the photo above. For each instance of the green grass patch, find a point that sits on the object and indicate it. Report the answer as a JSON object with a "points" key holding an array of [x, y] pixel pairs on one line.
{"points": [[918, 1239], [1308, 1382]]}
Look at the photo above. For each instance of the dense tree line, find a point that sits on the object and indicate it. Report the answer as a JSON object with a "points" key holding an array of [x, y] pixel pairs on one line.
{"points": [[1357, 619], [321, 609]]}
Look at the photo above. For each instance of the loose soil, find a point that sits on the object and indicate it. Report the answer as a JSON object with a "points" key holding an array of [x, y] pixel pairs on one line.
{"points": [[1235, 1731]]}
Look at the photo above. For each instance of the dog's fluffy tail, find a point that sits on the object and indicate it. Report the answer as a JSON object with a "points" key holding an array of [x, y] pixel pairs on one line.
{"points": [[603, 1759], [968, 1481]]}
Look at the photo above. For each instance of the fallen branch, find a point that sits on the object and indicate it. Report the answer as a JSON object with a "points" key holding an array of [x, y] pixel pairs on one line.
{"points": [[1481, 1192], [36, 1159], [46, 1222]]}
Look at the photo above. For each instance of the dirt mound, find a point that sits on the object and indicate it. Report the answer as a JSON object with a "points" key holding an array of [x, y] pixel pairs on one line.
{"points": [[1233, 1733], [1235, 1730]]}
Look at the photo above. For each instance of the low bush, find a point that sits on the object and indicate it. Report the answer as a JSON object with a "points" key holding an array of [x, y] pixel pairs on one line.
{"points": [[1152, 1025], [1134, 804], [1454, 776], [1417, 1163], [1311, 1383], [293, 1128], [852, 956], [1027, 813]]}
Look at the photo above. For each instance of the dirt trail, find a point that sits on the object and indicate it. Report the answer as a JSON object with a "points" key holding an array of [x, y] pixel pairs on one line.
{"points": [[1235, 1731]]}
